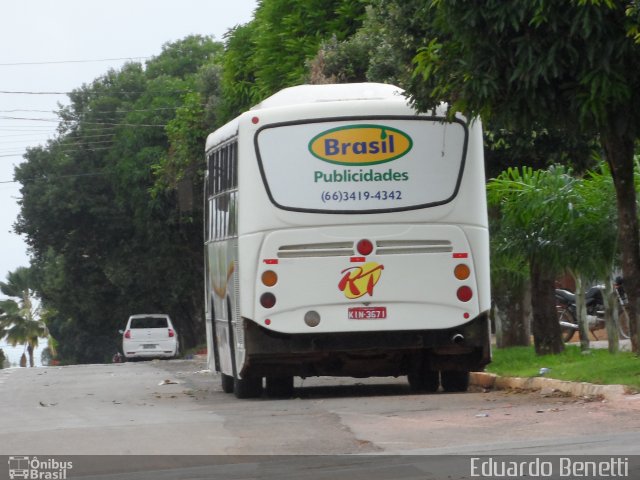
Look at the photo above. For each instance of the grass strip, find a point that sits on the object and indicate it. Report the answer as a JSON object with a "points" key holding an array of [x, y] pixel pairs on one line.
{"points": [[594, 366]]}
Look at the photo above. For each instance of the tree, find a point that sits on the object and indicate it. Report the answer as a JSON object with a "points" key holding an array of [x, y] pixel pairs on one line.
{"points": [[535, 207], [106, 240], [510, 289], [19, 320], [570, 64], [590, 240], [271, 52]]}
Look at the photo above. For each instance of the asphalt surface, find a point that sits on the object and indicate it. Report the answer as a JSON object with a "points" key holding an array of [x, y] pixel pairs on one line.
{"points": [[177, 407]]}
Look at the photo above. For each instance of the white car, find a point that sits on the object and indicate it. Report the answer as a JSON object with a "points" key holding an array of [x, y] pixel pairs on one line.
{"points": [[149, 336]]}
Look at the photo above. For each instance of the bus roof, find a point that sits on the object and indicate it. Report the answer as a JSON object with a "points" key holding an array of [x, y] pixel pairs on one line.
{"points": [[302, 94], [308, 94]]}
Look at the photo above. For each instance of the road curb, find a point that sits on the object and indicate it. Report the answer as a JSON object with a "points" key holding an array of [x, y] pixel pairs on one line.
{"points": [[576, 389]]}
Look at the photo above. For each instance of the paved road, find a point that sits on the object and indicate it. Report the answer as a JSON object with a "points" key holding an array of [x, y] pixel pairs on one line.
{"points": [[178, 408]]}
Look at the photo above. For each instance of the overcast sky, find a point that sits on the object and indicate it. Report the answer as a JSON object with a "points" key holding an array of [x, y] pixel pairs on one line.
{"points": [[54, 45]]}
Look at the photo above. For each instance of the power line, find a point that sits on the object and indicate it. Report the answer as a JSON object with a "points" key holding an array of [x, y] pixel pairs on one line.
{"points": [[55, 177], [82, 122], [72, 61], [25, 92]]}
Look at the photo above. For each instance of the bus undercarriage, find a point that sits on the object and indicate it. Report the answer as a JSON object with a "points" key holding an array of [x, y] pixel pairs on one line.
{"points": [[429, 358]]}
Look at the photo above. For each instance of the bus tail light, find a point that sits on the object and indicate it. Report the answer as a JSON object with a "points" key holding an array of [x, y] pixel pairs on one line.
{"points": [[365, 247], [269, 278], [464, 293], [268, 300], [462, 271]]}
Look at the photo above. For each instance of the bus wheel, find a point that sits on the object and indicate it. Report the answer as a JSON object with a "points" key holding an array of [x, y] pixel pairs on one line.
{"points": [[280, 387], [424, 381], [249, 387], [454, 381], [227, 383]]}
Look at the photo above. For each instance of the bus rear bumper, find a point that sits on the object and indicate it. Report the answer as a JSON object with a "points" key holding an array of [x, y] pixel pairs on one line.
{"points": [[363, 354]]}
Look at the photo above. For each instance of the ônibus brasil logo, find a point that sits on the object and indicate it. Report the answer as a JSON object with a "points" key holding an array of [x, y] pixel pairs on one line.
{"points": [[41, 469], [356, 281], [357, 145]]}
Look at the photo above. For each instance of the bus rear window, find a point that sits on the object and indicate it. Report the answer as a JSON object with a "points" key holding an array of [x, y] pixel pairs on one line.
{"points": [[363, 165]]}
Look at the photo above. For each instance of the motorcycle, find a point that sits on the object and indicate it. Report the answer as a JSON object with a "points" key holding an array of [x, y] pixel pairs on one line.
{"points": [[567, 314]]}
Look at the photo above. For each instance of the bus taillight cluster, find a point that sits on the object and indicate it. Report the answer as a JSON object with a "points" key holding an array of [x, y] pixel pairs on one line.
{"points": [[269, 279], [462, 272]]}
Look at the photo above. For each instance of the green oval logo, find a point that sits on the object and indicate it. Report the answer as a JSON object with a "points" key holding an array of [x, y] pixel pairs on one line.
{"points": [[357, 145]]}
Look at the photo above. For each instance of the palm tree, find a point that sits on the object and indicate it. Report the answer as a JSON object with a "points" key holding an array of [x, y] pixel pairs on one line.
{"points": [[534, 208], [19, 319]]}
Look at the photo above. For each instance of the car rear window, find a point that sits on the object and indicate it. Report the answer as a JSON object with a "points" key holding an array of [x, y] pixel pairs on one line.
{"points": [[149, 322]]}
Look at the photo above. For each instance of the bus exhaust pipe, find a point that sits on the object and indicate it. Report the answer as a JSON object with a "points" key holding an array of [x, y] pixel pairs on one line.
{"points": [[457, 339]]}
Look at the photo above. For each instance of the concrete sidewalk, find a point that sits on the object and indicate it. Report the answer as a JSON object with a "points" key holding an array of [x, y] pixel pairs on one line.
{"points": [[549, 385]]}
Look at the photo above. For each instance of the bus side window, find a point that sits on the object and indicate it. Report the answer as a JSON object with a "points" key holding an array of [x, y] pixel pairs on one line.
{"points": [[233, 231], [212, 210]]}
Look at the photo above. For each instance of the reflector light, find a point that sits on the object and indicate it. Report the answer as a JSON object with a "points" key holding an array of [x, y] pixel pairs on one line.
{"points": [[365, 247], [464, 293], [268, 300], [127, 334], [171, 333], [255, 120], [269, 278], [312, 318], [267, 322], [462, 271]]}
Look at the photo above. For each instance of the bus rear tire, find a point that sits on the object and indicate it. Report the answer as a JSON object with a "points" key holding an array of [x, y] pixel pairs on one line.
{"points": [[280, 387], [424, 381], [249, 387], [227, 383], [454, 381]]}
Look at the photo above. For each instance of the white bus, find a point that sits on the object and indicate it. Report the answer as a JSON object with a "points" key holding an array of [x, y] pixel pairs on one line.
{"points": [[346, 235]]}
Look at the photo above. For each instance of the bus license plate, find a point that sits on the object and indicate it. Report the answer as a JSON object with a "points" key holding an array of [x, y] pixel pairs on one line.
{"points": [[367, 313]]}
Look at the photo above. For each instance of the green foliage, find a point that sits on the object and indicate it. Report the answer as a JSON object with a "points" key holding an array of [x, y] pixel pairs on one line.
{"points": [[108, 241], [519, 61], [535, 207], [271, 52], [566, 222], [367, 55], [238, 77], [538, 148], [594, 229], [19, 320]]}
